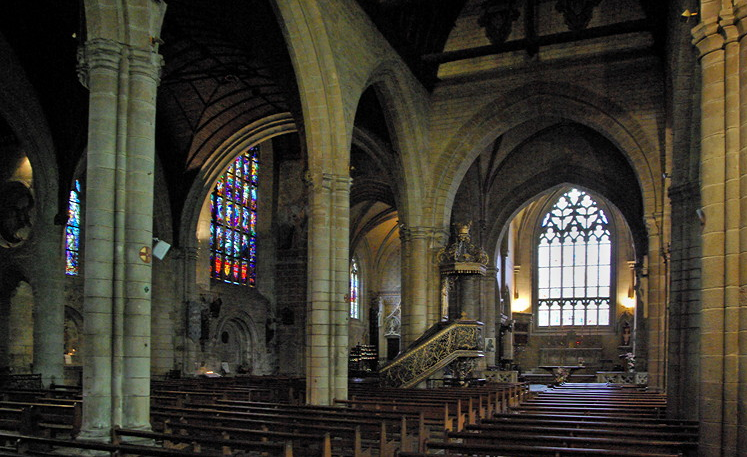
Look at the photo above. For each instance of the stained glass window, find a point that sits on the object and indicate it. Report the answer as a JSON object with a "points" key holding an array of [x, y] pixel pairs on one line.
{"points": [[233, 231], [574, 258], [355, 309], [72, 231]]}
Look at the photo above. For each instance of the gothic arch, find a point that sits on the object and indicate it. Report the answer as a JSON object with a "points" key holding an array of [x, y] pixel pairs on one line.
{"points": [[319, 88], [405, 116], [214, 167], [539, 101]]}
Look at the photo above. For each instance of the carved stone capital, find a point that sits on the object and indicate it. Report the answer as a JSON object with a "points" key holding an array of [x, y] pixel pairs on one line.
{"points": [[146, 63], [706, 38], [729, 30], [98, 55]]}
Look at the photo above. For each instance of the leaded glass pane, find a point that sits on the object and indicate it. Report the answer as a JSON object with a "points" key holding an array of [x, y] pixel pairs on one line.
{"points": [[543, 315], [555, 314], [574, 258], [233, 227], [354, 290], [73, 231]]}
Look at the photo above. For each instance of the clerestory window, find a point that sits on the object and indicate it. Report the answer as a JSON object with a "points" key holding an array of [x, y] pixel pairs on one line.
{"points": [[233, 228], [574, 258]]}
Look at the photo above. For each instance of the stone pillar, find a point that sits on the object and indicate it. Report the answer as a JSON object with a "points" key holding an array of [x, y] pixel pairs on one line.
{"points": [[741, 14], [469, 305], [717, 410], [102, 59], [144, 68], [49, 308], [489, 300], [122, 80], [328, 313], [340, 242]]}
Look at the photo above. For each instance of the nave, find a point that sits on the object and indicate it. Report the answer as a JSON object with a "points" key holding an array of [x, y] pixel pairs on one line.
{"points": [[259, 415]]}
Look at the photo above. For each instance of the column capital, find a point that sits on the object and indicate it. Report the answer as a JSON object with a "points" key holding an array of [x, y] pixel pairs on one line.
{"points": [[740, 13], [98, 54], [107, 55], [707, 37], [146, 62], [729, 28], [322, 180]]}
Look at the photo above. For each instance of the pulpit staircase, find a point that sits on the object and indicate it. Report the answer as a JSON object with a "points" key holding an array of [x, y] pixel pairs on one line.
{"points": [[439, 346]]}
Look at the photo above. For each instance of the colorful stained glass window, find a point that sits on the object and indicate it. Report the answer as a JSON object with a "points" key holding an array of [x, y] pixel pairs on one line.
{"points": [[355, 308], [574, 264], [233, 231], [72, 231]]}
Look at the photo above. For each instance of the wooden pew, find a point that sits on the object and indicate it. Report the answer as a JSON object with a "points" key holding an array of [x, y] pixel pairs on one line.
{"points": [[345, 433], [197, 443]]}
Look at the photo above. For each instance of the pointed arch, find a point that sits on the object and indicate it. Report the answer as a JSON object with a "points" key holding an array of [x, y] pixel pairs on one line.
{"points": [[538, 101]]}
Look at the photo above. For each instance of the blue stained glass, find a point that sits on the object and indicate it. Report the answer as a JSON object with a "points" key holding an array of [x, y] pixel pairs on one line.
{"points": [[229, 214], [218, 214], [234, 221], [72, 231], [236, 244]]}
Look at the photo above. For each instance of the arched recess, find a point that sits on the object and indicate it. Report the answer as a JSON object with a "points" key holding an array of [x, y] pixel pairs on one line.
{"points": [[236, 337], [538, 101]]}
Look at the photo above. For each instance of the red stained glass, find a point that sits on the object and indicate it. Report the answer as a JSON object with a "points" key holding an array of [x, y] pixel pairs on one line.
{"points": [[234, 206]]}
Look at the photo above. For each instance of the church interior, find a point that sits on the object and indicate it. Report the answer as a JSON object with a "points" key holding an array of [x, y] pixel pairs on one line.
{"points": [[331, 200]]}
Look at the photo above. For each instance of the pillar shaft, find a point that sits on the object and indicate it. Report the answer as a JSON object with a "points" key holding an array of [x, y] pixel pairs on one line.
{"points": [[328, 312], [118, 236], [49, 319]]}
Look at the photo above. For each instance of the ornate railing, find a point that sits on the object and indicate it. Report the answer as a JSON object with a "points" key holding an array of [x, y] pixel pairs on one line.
{"points": [[459, 339]]}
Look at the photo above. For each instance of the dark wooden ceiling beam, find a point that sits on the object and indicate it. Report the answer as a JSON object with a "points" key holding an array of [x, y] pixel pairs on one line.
{"points": [[621, 28]]}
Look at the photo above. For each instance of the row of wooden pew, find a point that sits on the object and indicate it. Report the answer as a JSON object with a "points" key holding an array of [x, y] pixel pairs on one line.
{"points": [[575, 420], [204, 418]]}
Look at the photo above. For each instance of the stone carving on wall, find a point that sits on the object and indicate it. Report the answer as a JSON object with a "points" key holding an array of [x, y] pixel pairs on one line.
{"points": [[194, 320], [16, 213], [393, 322], [497, 19], [577, 13]]}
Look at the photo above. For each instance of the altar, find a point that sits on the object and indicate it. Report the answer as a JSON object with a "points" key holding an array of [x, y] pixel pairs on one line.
{"points": [[570, 356]]}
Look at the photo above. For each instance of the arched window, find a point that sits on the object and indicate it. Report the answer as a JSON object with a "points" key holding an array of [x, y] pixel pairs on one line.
{"points": [[233, 235], [574, 258], [72, 231], [355, 308]]}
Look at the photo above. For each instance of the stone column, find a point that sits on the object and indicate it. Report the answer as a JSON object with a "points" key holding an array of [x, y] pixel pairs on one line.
{"points": [[415, 307], [144, 68], [102, 59], [340, 242], [489, 300], [118, 235], [710, 44], [49, 308], [469, 305], [326, 324], [741, 14]]}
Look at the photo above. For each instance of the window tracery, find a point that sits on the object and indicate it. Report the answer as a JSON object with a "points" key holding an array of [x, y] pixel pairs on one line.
{"points": [[574, 264]]}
